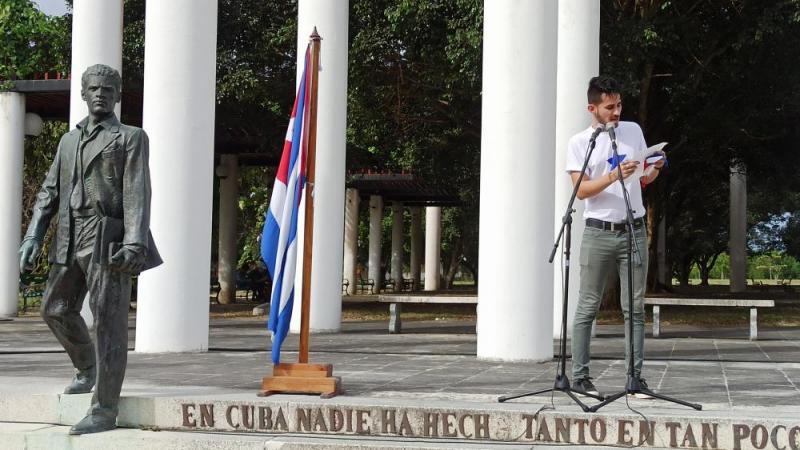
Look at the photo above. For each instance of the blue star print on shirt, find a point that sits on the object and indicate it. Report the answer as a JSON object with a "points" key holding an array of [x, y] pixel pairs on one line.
{"points": [[615, 161]]}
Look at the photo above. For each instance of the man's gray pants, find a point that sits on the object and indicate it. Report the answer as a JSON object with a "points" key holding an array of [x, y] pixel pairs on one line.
{"points": [[109, 299], [601, 252]]}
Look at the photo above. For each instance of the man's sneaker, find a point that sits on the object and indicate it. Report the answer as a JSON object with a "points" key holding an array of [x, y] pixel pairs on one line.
{"points": [[642, 395], [585, 386]]}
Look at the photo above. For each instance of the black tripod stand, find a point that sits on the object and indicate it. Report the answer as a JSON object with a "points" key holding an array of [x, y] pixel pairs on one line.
{"points": [[562, 382], [633, 385]]}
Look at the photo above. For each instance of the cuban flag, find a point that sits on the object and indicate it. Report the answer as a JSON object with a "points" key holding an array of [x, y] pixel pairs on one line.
{"points": [[279, 237]]}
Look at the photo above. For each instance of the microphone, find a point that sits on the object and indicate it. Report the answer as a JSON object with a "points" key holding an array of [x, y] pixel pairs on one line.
{"points": [[596, 133], [611, 133]]}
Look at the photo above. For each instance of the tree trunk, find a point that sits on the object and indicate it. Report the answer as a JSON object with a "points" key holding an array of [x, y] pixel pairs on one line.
{"points": [[473, 271], [683, 272], [455, 257], [644, 94], [704, 269], [652, 251]]}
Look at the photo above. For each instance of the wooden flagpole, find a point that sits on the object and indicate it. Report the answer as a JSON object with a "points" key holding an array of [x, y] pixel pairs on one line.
{"points": [[308, 230], [302, 377]]}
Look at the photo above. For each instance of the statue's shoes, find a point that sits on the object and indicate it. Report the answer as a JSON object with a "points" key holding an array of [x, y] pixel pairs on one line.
{"points": [[94, 424], [82, 383]]}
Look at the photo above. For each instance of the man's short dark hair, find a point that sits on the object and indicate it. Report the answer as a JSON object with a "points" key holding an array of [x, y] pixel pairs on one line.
{"points": [[102, 70], [599, 86]]}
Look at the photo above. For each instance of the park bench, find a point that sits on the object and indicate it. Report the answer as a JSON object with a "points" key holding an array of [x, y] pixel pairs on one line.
{"points": [[364, 285], [658, 302], [387, 285], [407, 285], [31, 286], [214, 289], [396, 305]]}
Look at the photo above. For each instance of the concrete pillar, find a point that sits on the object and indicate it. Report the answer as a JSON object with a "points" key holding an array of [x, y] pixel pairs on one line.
{"points": [[330, 17], [578, 61], [90, 20], [178, 115], [416, 246], [397, 246], [433, 247], [737, 245], [12, 146], [375, 237], [228, 257], [350, 239], [515, 292]]}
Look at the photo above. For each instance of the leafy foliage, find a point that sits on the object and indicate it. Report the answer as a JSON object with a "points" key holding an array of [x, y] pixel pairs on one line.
{"points": [[32, 41], [39, 153], [414, 101], [717, 81]]}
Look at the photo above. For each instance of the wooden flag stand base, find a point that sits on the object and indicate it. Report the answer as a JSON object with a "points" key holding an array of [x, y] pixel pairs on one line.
{"points": [[300, 378]]}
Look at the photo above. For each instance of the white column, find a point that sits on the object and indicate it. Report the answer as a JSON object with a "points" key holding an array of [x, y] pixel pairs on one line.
{"points": [[737, 245], [330, 17], [12, 146], [578, 61], [227, 254], [375, 240], [416, 245], [96, 39], [515, 292], [433, 247], [350, 238], [397, 245], [178, 115]]}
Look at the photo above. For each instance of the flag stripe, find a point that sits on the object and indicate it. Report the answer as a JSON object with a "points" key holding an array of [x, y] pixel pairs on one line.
{"points": [[279, 236]]}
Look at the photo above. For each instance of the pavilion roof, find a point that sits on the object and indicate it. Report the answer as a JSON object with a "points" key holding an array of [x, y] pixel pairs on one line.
{"points": [[407, 188], [49, 98]]}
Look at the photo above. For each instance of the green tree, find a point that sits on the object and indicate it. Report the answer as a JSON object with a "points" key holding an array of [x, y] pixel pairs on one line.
{"points": [[791, 235], [691, 72], [32, 41], [414, 103]]}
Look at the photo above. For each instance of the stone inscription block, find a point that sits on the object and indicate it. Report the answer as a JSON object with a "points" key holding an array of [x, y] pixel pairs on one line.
{"points": [[490, 425]]}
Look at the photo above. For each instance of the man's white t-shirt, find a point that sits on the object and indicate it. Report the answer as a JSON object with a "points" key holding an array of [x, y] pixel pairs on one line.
{"points": [[609, 205]]}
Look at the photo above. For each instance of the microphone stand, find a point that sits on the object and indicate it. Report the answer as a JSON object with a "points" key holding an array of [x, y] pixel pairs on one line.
{"points": [[633, 385], [562, 381]]}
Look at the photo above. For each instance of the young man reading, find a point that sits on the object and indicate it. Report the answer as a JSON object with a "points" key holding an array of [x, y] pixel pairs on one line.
{"points": [[604, 246]]}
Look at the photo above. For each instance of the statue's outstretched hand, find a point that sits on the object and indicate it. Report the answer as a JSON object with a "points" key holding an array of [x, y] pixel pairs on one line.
{"points": [[128, 259], [28, 252]]}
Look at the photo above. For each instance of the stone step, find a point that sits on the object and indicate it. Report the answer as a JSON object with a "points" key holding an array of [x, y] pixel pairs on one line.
{"points": [[30, 436], [181, 414]]}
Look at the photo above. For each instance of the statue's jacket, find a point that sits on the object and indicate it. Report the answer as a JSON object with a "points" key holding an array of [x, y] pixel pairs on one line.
{"points": [[116, 181]]}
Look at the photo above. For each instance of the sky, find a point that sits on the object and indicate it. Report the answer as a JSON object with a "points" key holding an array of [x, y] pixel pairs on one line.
{"points": [[52, 7]]}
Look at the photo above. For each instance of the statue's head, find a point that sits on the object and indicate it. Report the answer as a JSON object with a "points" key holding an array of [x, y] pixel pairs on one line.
{"points": [[100, 89]]}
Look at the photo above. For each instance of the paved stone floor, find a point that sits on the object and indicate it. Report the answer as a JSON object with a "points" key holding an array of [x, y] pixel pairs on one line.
{"points": [[719, 368]]}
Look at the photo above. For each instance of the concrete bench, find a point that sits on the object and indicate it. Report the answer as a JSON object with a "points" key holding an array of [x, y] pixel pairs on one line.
{"points": [[396, 305], [658, 302]]}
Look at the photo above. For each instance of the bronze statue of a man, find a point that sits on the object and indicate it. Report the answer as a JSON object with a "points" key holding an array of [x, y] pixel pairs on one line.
{"points": [[98, 187]]}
